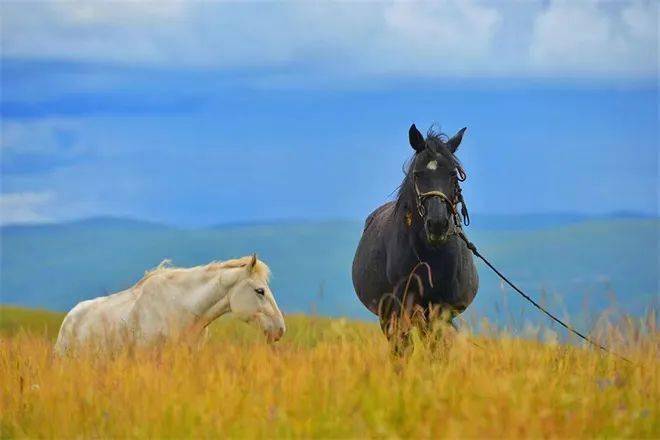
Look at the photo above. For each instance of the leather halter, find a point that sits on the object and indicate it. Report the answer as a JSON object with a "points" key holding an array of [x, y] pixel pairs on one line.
{"points": [[421, 197]]}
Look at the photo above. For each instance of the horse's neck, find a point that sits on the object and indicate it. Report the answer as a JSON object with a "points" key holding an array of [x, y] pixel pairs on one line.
{"points": [[445, 256], [406, 206], [209, 299]]}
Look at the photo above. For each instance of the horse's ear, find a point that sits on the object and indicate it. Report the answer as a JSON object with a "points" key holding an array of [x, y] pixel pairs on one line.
{"points": [[253, 262], [416, 139], [455, 141]]}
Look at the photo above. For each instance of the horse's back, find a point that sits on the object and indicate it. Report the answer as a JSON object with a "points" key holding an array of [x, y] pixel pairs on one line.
{"points": [[96, 317], [369, 277]]}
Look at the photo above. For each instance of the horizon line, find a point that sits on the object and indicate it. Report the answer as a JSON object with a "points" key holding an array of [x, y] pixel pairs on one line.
{"points": [[581, 216]]}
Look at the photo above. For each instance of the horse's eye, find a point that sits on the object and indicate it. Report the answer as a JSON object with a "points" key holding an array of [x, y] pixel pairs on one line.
{"points": [[259, 291]]}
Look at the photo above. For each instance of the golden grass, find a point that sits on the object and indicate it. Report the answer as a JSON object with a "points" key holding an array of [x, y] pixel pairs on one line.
{"points": [[329, 378]]}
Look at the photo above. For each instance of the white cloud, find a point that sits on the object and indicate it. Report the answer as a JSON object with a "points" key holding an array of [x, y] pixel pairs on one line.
{"points": [[432, 38], [25, 207], [585, 38], [39, 136], [451, 38], [41, 145]]}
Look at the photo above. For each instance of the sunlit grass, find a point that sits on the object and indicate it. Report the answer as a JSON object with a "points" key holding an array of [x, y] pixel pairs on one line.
{"points": [[331, 378], [35, 321]]}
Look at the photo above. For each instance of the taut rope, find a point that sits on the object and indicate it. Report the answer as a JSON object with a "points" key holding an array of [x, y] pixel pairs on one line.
{"points": [[474, 250]]}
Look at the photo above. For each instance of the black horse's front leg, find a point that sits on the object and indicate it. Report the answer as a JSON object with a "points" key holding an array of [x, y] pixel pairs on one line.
{"points": [[393, 325], [437, 327], [397, 315]]}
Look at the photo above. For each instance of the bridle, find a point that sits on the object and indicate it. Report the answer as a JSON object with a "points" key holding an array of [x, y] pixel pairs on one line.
{"points": [[421, 197]]}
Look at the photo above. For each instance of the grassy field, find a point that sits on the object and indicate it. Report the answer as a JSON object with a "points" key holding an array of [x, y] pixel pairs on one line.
{"points": [[328, 378]]}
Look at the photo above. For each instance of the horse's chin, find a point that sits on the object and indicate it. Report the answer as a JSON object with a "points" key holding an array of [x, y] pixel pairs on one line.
{"points": [[436, 240]]}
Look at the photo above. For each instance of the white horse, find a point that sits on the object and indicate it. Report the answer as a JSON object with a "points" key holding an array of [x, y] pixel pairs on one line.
{"points": [[172, 303]]}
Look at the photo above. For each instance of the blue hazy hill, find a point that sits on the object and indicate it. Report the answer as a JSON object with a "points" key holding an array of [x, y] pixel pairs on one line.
{"points": [[573, 262]]}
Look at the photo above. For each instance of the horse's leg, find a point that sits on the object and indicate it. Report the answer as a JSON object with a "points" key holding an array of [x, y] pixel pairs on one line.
{"points": [[395, 324], [398, 314], [437, 327]]}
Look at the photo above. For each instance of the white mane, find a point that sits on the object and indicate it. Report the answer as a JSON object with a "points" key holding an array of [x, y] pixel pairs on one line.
{"points": [[261, 269]]}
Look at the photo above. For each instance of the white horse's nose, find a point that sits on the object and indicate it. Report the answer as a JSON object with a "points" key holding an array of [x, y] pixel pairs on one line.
{"points": [[275, 335], [276, 332]]}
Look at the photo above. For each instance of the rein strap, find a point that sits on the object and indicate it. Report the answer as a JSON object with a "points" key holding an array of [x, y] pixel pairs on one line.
{"points": [[474, 250]]}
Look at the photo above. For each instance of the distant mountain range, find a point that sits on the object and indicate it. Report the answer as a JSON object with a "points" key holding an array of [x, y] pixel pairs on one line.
{"points": [[513, 222], [582, 263]]}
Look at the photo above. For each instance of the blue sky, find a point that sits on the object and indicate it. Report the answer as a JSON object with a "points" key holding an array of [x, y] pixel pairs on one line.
{"points": [[206, 113]]}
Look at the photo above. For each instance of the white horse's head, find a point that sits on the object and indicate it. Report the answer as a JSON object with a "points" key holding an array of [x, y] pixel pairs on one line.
{"points": [[251, 299]]}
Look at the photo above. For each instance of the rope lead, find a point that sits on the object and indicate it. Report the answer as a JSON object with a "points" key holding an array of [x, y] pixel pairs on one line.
{"points": [[474, 250]]}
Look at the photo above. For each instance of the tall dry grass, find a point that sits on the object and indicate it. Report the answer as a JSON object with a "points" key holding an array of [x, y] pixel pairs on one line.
{"points": [[334, 378]]}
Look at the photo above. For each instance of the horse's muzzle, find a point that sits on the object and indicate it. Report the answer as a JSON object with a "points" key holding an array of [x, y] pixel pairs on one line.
{"points": [[437, 232], [274, 335]]}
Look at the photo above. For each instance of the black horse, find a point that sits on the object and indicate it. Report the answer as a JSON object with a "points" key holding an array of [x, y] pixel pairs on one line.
{"points": [[411, 261]]}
